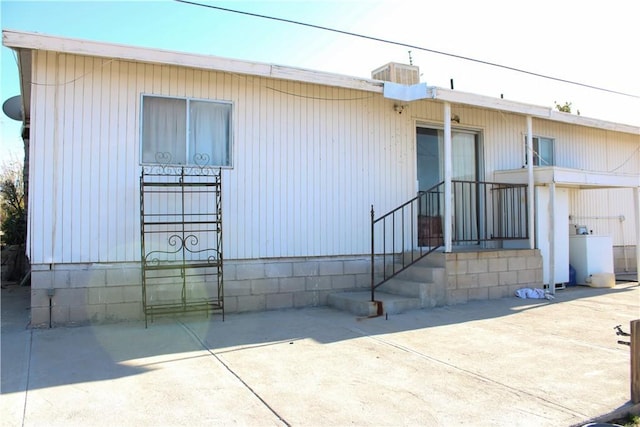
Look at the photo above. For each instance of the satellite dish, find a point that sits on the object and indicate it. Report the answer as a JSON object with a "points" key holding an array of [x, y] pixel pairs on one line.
{"points": [[12, 107]]}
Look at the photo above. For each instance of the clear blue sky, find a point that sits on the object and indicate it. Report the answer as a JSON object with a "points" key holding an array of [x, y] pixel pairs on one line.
{"points": [[594, 42]]}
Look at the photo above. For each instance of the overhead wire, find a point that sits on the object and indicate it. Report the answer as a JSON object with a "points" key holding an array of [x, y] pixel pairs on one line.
{"points": [[407, 45], [631, 156], [319, 98]]}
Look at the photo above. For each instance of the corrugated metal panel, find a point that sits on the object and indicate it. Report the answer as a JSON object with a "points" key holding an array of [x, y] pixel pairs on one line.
{"points": [[84, 181], [308, 160], [605, 212]]}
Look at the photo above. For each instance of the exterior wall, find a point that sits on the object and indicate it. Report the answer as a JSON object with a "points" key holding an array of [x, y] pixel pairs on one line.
{"points": [[308, 162], [606, 212], [491, 274], [624, 259]]}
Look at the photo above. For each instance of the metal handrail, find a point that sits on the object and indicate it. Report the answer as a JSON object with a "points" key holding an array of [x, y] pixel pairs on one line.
{"points": [[481, 211], [425, 207]]}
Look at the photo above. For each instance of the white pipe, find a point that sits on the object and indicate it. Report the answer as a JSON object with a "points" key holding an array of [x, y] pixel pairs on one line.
{"points": [[624, 246], [530, 181], [618, 217], [448, 165]]}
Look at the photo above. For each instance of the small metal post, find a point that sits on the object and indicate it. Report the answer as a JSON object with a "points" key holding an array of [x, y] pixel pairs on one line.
{"points": [[50, 293], [635, 361], [372, 255]]}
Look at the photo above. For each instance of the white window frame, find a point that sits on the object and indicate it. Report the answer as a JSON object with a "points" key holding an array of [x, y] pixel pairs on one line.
{"points": [[188, 162], [537, 159]]}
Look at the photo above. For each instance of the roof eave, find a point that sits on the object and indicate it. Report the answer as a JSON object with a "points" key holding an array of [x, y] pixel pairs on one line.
{"points": [[537, 111], [35, 41], [26, 41]]}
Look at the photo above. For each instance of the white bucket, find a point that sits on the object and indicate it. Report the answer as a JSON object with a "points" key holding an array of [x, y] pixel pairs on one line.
{"points": [[602, 280]]}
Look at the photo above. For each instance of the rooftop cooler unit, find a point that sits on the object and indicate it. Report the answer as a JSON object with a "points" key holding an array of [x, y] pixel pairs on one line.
{"points": [[397, 73]]}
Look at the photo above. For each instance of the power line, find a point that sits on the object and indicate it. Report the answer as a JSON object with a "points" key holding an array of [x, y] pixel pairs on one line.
{"points": [[407, 45]]}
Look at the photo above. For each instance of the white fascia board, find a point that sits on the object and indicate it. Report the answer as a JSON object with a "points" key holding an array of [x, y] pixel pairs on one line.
{"points": [[558, 116], [568, 177], [24, 67], [25, 40], [537, 111], [327, 79], [457, 97]]}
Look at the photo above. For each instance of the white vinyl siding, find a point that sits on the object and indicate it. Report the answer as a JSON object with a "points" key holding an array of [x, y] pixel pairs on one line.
{"points": [[308, 160]]}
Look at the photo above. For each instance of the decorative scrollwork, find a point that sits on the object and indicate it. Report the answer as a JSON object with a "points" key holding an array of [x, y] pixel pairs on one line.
{"points": [[152, 261], [155, 258], [191, 240], [175, 240], [181, 244], [156, 170], [163, 158], [201, 159], [213, 259]]}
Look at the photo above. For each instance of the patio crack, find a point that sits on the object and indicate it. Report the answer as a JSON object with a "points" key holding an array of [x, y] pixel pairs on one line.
{"points": [[26, 387], [232, 372]]}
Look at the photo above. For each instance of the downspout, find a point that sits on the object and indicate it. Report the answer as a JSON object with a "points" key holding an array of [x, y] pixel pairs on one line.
{"points": [[448, 165], [530, 185]]}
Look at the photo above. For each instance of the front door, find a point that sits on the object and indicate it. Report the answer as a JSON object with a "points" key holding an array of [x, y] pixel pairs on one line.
{"points": [[430, 172]]}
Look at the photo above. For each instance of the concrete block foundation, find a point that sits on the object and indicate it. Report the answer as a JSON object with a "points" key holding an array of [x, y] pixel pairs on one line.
{"points": [[98, 293]]}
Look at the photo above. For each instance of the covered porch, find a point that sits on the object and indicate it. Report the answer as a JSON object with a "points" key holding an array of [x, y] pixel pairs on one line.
{"points": [[471, 220]]}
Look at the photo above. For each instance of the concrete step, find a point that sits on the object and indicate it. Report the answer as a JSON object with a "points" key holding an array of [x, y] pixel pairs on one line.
{"points": [[434, 259], [425, 280], [422, 273], [407, 288], [360, 304], [430, 294]]}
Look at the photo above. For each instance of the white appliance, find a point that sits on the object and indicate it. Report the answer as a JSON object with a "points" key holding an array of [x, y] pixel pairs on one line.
{"points": [[590, 254], [556, 223]]}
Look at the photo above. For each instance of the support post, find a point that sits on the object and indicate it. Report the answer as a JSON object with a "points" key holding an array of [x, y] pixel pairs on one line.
{"points": [[636, 204], [448, 165], [635, 361], [530, 185], [552, 238]]}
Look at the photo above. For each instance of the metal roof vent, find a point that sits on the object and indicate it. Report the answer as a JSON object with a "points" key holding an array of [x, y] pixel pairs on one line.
{"points": [[397, 73]]}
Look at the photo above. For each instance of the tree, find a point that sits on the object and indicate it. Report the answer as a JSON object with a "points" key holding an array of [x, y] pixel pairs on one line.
{"points": [[14, 220]]}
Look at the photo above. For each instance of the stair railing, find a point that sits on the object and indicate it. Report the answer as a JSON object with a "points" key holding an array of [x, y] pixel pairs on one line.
{"points": [[481, 212], [408, 233]]}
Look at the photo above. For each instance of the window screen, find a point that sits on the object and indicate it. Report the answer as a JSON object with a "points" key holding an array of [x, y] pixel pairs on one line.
{"points": [[180, 131]]}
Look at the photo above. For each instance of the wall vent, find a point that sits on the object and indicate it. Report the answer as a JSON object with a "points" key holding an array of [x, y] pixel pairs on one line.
{"points": [[397, 73]]}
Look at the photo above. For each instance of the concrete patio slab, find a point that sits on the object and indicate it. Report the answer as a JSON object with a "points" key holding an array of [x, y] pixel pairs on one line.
{"points": [[506, 362]]}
